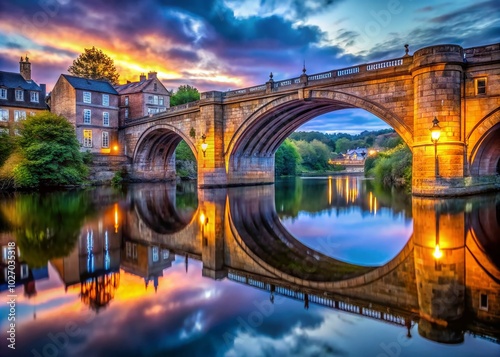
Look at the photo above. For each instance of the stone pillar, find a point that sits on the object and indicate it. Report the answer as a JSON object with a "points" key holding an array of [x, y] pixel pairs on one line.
{"points": [[211, 220], [210, 129], [439, 248], [251, 170], [437, 73]]}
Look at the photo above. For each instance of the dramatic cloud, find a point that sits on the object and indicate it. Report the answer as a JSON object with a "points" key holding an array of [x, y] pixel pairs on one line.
{"points": [[230, 44]]}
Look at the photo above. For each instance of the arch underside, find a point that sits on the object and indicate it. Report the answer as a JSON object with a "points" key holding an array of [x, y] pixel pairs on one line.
{"points": [[264, 131], [486, 158], [156, 207]]}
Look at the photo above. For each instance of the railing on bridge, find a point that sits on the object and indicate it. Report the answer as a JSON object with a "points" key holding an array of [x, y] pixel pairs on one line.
{"points": [[319, 299], [349, 71]]}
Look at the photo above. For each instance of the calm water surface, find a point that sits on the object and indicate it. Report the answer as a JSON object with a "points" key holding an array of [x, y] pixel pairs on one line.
{"points": [[328, 266]]}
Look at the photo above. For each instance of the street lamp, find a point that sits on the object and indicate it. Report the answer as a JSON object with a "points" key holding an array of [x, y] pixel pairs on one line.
{"points": [[435, 134], [204, 145]]}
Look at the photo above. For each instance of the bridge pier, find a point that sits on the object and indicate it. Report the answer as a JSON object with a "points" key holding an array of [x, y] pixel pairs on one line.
{"points": [[251, 170]]}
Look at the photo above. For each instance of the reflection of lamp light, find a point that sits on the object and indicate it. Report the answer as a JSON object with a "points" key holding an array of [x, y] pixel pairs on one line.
{"points": [[204, 145], [435, 134], [115, 148], [438, 254], [203, 219]]}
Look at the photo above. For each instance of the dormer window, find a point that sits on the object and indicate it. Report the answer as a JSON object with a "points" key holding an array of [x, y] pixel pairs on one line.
{"points": [[19, 94], [3, 93], [34, 97]]}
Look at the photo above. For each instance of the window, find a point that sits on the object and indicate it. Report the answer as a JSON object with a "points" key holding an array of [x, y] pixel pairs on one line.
{"points": [[19, 115], [87, 138], [86, 116], [481, 86], [4, 130], [483, 302], [4, 114], [165, 254], [131, 250], [86, 97], [3, 93], [155, 87], [153, 99], [105, 100], [19, 94], [160, 100], [126, 113], [105, 139], [24, 271], [34, 97], [126, 100], [156, 256], [105, 118]]}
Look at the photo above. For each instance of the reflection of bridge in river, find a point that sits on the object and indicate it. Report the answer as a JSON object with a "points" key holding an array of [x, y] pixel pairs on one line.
{"points": [[237, 235]]}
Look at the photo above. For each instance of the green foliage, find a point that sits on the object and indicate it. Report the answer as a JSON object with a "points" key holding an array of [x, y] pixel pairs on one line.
{"points": [[185, 162], [392, 167], [119, 177], [315, 155], [50, 153], [286, 159], [7, 146], [47, 226], [94, 64], [184, 94]]}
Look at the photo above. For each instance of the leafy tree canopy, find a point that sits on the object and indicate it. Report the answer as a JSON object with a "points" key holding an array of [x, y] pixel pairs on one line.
{"points": [[184, 94], [7, 145], [51, 153], [94, 64]]}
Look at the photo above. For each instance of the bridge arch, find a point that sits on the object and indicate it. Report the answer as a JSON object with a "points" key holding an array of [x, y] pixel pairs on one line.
{"points": [[484, 153], [154, 153], [263, 132]]}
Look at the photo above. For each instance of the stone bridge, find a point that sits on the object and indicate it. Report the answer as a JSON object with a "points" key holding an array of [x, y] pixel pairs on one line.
{"points": [[242, 129], [242, 239]]}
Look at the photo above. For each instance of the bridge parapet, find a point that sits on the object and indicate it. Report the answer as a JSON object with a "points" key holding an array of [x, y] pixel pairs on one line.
{"points": [[333, 75]]}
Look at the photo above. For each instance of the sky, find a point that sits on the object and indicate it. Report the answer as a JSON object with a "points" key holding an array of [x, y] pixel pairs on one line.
{"points": [[231, 44]]}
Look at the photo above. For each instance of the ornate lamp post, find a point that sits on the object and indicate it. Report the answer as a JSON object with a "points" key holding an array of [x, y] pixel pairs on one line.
{"points": [[435, 134]]}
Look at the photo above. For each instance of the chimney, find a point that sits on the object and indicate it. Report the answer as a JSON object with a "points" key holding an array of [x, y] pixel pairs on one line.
{"points": [[25, 68], [142, 77], [152, 75]]}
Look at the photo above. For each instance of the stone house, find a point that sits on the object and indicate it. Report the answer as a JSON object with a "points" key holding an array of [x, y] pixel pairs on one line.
{"points": [[19, 96], [92, 107], [145, 97]]}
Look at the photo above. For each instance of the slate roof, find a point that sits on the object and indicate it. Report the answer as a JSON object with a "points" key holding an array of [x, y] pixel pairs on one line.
{"points": [[15, 80], [90, 84], [134, 87]]}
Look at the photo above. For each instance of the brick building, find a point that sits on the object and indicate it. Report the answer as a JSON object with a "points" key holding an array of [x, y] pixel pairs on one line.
{"points": [[142, 98], [19, 96], [92, 107]]}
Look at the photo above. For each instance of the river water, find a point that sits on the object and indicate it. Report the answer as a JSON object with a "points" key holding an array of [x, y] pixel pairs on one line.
{"points": [[323, 266]]}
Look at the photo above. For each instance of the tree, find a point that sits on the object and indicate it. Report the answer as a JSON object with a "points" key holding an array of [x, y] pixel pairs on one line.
{"points": [[184, 94], [7, 146], [50, 153], [94, 64], [286, 159]]}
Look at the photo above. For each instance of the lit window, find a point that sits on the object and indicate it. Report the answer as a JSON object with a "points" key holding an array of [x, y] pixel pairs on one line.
{"points": [[4, 115], [19, 115], [126, 113], [19, 94], [105, 119], [86, 97], [34, 97], [87, 138], [481, 86], [126, 100], [3, 93], [105, 100], [86, 116], [105, 139], [161, 100]]}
